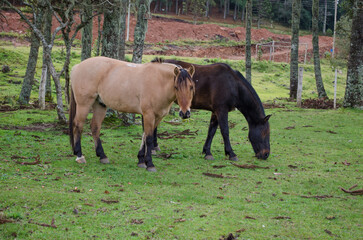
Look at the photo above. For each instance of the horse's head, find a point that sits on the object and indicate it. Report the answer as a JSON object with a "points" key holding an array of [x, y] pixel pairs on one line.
{"points": [[259, 135], [184, 89]]}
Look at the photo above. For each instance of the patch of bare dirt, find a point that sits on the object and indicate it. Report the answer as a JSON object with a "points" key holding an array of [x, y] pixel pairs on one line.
{"points": [[163, 30], [318, 103]]}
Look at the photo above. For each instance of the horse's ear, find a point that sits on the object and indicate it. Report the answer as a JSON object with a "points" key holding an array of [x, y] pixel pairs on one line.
{"points": [[176, 71], [267, 118], [191, 70]]}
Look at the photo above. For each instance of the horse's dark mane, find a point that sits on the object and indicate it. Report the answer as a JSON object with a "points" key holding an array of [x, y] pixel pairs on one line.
{"points": [[249, 88], [183, 76]]}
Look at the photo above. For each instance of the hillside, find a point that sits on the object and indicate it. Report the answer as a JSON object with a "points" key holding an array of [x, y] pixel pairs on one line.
{"points": [[224, 42]]}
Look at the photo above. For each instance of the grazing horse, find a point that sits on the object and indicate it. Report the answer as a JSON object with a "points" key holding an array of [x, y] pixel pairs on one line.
{"points": [[220, 89], [148, 89]]}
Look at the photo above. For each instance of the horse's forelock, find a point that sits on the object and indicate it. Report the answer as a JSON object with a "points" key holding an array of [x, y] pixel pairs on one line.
{"points": [[183, 77]]}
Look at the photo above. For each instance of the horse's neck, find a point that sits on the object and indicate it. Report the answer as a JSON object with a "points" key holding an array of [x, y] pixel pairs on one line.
{"points": [[251, 106]]}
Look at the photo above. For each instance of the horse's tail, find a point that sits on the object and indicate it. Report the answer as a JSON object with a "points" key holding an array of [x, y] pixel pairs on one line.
{"points": [[72, 115]]}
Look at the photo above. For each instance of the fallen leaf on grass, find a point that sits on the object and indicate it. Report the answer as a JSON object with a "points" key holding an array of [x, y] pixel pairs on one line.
{"points": [[330, 217], [308, 126], [292, 166], [247, 166], [248, 217], [290, 127], [179, 220], [281, 217], [137, 221], [346, 163], [220, 197], [332, 132], [109, 201], [241, 230], [36, 161], [330, 233], [107, 192]]}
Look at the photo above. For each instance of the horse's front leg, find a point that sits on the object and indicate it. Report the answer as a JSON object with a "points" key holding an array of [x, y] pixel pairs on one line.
{"points": [[213, 125], [223, 125], [144, 155], [141, 154]]}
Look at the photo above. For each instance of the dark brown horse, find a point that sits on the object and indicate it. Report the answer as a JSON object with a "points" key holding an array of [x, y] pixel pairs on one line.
{"points": [[148, 89], [220, 89]]}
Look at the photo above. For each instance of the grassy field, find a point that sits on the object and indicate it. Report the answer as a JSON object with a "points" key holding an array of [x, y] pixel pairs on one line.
{"points": [[296, 195]]}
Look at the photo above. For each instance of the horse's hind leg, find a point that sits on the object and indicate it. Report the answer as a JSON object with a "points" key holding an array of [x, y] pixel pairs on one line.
{"points": [[99, 112], [211, 132], [78, 123]]}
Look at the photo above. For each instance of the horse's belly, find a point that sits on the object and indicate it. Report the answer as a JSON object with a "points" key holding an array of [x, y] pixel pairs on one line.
{"points": [[123, 103]]}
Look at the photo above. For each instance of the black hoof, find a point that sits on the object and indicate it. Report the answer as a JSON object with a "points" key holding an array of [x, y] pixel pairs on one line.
{"points": [[209, 157], [141, 165], [235, 158], [151, 169]]}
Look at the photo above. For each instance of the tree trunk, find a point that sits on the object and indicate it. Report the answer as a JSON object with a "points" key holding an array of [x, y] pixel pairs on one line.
{"points": [[99, 37], [235, 12], [207, 8], [122, 35], [28, 81], [354, 88], [176, 7], [315, 28], [140, 30], [325, 12], [87, 31], [48, 36], [294, 62], [225, 9], [110, 39], [248, 39]]}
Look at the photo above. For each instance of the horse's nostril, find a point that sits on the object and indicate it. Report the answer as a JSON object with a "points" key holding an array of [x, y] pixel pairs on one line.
{"points": [[187, 114], [181, 114], [265, 156]]}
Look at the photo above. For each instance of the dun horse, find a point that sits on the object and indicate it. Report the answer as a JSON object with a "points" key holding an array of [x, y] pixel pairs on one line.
{"points": [[148, 89], [220, 89]]}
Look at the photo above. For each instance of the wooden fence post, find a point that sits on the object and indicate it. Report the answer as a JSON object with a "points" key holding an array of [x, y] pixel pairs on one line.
{"points": [[299, 86], [335, 88]]}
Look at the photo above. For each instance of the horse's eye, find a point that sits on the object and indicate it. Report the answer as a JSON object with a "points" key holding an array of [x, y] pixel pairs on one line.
{"points": [[191, 88]]}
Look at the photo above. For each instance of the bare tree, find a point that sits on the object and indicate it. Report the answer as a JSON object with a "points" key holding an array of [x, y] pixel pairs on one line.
{"points": [[315, 28], [294, 61], [143, 7], [248, 39], [28, 81], [354, 90]]}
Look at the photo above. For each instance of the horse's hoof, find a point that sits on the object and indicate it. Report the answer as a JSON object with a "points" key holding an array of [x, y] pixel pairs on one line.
{"points": [[141, 165], [209, 157], [235, 158], [151, 169], [154, 150], [81, 159], [104, 161]]}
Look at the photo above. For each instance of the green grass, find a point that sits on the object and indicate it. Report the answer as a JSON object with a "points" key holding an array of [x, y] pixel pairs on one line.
{"points": [[313, 153]]}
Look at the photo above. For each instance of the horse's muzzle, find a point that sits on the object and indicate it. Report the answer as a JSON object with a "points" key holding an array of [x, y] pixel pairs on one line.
{"points": [[184, 115], [263, 155]]}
